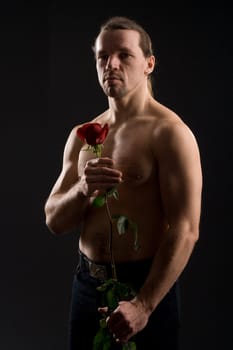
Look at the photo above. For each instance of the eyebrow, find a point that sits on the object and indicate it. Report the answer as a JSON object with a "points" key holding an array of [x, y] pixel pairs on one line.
{"points": [[120, 49]]}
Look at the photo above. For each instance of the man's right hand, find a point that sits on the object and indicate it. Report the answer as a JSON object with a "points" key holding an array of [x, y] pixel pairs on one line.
{"points": [[99, 175]]}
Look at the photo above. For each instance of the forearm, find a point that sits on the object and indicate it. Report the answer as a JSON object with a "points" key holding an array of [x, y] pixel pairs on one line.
{"points": [[168, 264], [64, 211]]}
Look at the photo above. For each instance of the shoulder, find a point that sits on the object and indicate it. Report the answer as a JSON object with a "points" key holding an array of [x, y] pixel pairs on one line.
{"points": [[171, 132]]}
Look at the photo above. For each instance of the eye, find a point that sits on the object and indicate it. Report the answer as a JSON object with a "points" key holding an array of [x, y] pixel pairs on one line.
{"points": [[124, 55], [102, 57]]}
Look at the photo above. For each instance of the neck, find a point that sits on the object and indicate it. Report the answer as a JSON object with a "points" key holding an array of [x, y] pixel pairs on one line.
{"points": [[127, 108]]}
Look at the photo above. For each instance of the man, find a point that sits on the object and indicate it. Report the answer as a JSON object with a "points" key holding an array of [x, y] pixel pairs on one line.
{"points": [[151, 156]]}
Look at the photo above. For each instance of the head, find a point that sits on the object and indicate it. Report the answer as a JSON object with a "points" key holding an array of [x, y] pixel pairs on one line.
{"points": [[137, 38]]}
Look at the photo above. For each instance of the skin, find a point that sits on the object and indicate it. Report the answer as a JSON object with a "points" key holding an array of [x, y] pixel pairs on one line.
{"points": [[153, 159]]}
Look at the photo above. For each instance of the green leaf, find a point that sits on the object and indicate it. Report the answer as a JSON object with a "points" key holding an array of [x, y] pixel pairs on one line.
{"points": [[112, 192], [103, 323], [116, 194], [102, 340], [122, 224], [99, 201], [134, 228], [107, 344], [99, 339], [108, 283], [129, 346], [112, 299]]}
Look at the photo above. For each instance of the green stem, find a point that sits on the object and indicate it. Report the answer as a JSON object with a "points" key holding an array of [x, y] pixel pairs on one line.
{"points": [[113, 266]]}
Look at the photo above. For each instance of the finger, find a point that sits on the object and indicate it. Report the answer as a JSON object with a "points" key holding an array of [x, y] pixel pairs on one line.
{"points": [[107, 185], [103, 171], [103, 310], [101, 182], [101, 162]]}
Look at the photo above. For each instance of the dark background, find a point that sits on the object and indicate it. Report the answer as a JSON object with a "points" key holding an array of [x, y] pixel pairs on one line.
{"points": [[48, 84]]}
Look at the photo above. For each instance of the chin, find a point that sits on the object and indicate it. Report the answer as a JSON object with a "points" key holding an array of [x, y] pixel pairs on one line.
{"points": [[113, 92]]}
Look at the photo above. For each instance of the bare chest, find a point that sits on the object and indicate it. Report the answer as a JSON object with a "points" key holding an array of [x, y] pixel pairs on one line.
{"points": [[131, 155]]}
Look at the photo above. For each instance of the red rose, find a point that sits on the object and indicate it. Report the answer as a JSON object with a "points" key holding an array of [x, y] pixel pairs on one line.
{"points": [[93, 133]]}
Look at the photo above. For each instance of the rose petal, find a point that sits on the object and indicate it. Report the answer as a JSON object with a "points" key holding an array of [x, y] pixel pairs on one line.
{"points": [[93, 133]]}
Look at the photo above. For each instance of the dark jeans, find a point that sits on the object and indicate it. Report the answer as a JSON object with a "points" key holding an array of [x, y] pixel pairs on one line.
{"points": [[161, 332]]}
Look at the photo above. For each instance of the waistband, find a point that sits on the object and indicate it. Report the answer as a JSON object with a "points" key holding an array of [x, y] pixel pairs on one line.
{"points": [[134, 271], [99, 271]]}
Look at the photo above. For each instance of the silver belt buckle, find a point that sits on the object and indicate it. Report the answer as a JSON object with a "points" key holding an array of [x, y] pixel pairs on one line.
{"points": [[97, 271]]}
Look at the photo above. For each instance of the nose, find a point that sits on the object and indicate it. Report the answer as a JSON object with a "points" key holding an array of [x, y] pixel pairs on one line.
{"points": [[112, 62]]}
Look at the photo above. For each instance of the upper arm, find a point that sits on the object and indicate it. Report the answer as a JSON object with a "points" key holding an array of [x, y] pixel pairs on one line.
{"points": [[69, 172], [180, 175]]}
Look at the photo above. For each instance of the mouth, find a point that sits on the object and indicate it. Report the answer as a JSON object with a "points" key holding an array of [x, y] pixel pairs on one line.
{"points": [[111, 79]]}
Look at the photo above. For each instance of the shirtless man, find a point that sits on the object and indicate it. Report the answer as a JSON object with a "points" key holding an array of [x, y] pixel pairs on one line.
{"points": [[151, 156]]}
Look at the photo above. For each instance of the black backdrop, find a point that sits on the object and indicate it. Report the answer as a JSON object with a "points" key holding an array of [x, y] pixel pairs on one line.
{"points": [[48, 84]]}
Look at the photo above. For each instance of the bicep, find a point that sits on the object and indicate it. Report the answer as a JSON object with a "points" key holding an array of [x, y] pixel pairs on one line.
{"points": [[180, 178]]}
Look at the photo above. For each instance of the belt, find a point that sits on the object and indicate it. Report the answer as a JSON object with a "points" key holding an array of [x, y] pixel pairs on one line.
{"points": [[98, 271], [135, 271]]}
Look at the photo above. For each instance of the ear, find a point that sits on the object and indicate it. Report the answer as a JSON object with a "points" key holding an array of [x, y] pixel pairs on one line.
{"points": [[150, 65]]}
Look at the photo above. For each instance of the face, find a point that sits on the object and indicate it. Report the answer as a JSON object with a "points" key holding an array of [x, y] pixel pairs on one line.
{"points": [[120, 63]]}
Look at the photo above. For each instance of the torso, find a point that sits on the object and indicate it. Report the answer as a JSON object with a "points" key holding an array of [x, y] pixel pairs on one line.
{"points": [[139, 197]]}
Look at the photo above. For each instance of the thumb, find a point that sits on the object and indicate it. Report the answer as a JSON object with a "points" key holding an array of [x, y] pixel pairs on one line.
{"points": [[103, 310]]}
